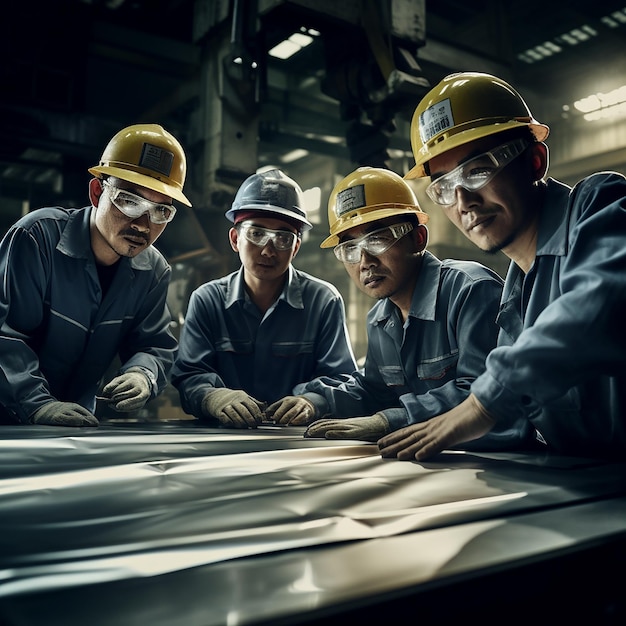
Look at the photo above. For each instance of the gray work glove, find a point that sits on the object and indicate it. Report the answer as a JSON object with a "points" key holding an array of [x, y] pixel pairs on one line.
{"points": [[291, 411], [129, 391], [370, 428], [234, 408], [57, 413]]}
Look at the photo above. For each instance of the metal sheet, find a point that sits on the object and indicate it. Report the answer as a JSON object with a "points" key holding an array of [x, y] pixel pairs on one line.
{"points": [[263, 524]]}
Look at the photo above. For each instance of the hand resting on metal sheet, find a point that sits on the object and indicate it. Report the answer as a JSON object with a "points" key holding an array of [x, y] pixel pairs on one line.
{"points": [[291, 411], [64, 414], [467, 421], [234, 408], [370, 428]]}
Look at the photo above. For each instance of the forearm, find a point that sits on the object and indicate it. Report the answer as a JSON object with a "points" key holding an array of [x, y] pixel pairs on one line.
{"points": [[23, 388], [435, 401], [347, 396], [192, 390], [153, 347]]}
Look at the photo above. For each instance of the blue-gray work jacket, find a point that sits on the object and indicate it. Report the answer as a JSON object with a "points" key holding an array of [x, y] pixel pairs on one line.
{"points": [[227, 342], [58, 336], [425, 367], [561, 356]]}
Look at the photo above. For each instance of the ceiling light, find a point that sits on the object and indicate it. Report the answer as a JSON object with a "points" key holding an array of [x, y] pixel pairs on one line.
{"points": [[615, 19], [312, 199], [288, 47], [294, 155], [603, 105], [284, 49], [607, 20], [578, 35], [612, 113], [301, 39]]}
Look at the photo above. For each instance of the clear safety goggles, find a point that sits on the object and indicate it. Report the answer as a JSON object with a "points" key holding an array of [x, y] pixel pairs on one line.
{"points": [[475, 173], [134, 206], [375, 243], [281, 239]]}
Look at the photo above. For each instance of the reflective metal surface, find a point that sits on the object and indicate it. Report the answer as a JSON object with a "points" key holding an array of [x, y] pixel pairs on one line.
{"points": [[173, 523]]}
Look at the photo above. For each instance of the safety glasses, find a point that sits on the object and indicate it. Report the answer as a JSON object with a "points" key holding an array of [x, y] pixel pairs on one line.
{"points": [[375, 243], [475, 173], [134, 206], [281, 239]]}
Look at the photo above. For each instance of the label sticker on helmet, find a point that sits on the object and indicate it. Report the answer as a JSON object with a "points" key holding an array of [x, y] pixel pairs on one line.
{"points": [[272, 192], [350, 199], [157, 159], [435, 119]]}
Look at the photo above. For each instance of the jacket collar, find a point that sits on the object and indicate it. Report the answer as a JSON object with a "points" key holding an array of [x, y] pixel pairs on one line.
{"points": [[291, 294]]}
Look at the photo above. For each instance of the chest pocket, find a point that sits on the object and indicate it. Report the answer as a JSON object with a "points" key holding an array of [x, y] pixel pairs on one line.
{"points": [[392, 375], [438, 368], [287, 349], [236, 347]]}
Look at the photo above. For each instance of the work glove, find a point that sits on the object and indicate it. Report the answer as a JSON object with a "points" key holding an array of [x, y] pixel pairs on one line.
{"points": [[128, 392], [370, 428], [234, 408], [291, 411], [57, 413]]}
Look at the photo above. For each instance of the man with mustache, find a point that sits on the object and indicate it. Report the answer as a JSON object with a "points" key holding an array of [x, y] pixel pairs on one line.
{"points": [[251, 336], [429, 332], [560, 363], [82, 287]]}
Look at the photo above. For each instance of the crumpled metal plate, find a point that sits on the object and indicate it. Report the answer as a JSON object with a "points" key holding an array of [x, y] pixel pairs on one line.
{"points": [[122, 507]]}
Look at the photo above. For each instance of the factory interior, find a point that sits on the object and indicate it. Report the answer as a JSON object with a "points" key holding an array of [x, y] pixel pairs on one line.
{"points": [[74, 72]]}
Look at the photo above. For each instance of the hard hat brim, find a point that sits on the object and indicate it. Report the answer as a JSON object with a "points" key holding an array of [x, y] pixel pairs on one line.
{"points": [[149, 182], [540, 132], [269, 210], [358, 218]]}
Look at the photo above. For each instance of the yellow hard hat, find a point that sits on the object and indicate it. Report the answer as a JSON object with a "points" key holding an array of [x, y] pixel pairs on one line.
{"points": [[146, 155], [463, 107], [366, 195]]}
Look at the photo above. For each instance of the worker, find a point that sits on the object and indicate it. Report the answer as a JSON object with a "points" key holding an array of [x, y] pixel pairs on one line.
{"points": [[84, 287], [249, 337], [429, 331], [560, 363]]}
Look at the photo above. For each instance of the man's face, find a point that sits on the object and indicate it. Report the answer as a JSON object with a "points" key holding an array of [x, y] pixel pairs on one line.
{"points": [[115, 234], [393, 273], [496, 215], [264, 262]]}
